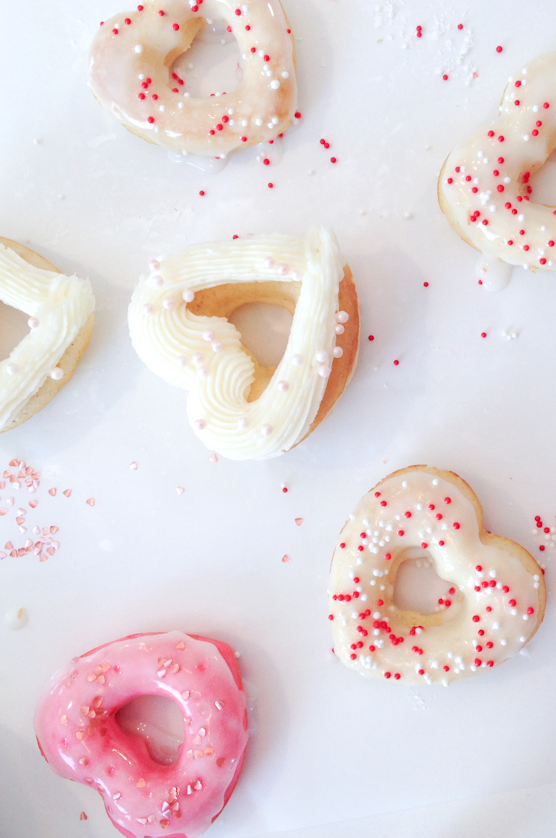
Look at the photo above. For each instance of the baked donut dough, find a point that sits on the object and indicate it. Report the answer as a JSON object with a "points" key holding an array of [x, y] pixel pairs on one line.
{"points": [[178, 320], [61, 320], [484, 187], [494, 606], [132, 76]]}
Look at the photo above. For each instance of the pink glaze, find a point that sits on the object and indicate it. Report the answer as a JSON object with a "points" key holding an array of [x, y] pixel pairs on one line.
{"points": [[79, 736]]}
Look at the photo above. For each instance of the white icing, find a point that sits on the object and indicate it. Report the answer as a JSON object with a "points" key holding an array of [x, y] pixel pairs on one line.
{"points": [[219, 381], [463, 560], [523, 152], [58, 307], [262, 106], [495, 275]]}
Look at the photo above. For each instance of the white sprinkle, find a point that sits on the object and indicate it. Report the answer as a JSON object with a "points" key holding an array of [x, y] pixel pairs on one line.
{"points": [[138, 49], [12, 369], [57, 374], [208, 334], [275, 84], [526, 137], [297, 360], [188, 296], [283, 386], [217, 346], [266, 429], [200, 425], [338, 352], [33, 323], [168, 303]]}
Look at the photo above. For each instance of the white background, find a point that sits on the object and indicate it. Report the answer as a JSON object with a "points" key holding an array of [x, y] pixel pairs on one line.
{"points": [[327, 746]]}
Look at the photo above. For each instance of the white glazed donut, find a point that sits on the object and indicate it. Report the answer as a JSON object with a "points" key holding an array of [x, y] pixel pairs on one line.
{"points": [[230, 409], [61, 319], [494, 606], [131, 74], [80, 737], [484, 187]]}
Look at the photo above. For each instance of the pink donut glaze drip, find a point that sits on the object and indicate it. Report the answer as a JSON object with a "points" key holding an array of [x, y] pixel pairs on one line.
{"points": [[79, 736]]}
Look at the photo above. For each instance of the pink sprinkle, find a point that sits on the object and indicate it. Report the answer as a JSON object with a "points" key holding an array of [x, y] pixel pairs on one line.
{"points": [[33, 503], [286, 558], [133, 466], [52, 492], [67, 493], [299, 521], [82, 816], [213, 458], [180, 490], [90, 502]]}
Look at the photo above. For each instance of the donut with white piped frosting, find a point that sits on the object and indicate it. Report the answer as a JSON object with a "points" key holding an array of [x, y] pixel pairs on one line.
{"points": [[179, 328]]}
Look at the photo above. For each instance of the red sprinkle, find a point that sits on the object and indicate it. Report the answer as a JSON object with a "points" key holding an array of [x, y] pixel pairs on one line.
{"points": [[499, 49]]}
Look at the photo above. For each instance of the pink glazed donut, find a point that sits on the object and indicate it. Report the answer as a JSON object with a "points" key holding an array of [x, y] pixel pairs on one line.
{"points": [[80, 738]]}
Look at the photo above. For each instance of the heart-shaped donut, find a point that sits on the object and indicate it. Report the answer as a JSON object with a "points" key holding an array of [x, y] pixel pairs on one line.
{"points": [[61, 322], [179, 327], [484, 187], [495, 604], [131, 74], [80, 737]]}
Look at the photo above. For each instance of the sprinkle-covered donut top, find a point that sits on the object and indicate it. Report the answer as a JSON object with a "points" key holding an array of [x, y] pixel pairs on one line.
{"points": [[58, 307], [79, 735], [204, 354], [131, 74], [493, 604], [485, 184]]}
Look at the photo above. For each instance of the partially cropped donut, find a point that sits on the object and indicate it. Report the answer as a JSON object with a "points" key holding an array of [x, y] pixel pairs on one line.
{"points": [[131, 73], [484, 187], [179, 328], [61, 321], [495, 598], [79, 735]]}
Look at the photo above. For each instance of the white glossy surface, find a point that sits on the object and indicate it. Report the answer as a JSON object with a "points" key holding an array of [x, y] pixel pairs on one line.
{"points": [[327, 745]]}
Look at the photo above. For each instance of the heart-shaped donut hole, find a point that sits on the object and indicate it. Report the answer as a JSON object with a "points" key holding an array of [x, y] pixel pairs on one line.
{"points": [[227, 300], [13, 328], [418, 589], [159, 721], [209, 65]]}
